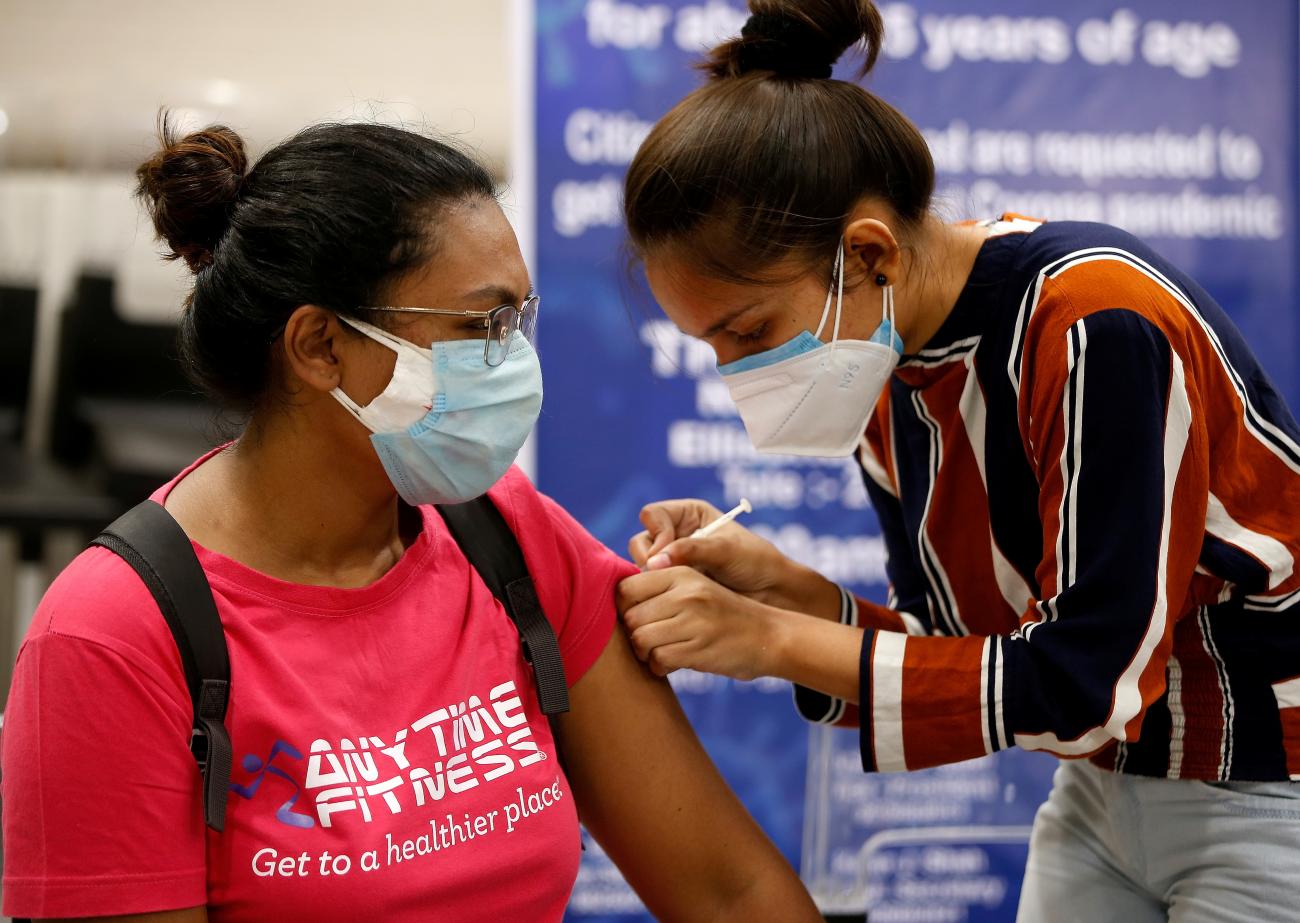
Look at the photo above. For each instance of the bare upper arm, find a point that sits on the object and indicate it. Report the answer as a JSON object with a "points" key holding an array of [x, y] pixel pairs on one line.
{"points": [[646, 789]]}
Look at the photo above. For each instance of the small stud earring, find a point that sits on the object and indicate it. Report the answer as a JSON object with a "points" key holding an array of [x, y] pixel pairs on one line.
{"points": [[881, 280]]}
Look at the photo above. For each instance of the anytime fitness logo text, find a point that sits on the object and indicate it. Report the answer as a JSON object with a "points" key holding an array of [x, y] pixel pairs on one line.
{"points": [[448, 751]]}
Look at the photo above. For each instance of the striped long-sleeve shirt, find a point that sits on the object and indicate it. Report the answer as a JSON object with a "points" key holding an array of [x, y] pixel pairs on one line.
{"points": [[1090, 497]]}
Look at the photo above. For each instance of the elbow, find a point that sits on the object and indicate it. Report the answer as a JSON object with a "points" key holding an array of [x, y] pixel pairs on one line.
{"points": [[780, 898]]}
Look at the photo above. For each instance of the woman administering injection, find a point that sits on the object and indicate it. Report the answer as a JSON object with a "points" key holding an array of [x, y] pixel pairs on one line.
{"points": [[1087, 485]]}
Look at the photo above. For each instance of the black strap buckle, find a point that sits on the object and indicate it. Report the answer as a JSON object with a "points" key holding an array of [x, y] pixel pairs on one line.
{"points": [[199, 747]]}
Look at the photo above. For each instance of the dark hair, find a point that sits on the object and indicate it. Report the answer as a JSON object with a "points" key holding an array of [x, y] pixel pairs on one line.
{"points": [[767, 159], [329, 217]]}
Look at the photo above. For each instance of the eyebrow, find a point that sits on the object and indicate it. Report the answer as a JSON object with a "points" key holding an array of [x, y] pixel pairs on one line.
{"points": [[500, 294], [728, 320]]}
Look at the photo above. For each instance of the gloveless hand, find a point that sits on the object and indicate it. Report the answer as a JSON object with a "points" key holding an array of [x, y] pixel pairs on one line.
{"points": [[733, 556], [677, 617]]}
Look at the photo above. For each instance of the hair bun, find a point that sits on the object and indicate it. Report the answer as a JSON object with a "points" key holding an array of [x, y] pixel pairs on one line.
{"points": [[799, 38], [786, 46], [189, 187]]}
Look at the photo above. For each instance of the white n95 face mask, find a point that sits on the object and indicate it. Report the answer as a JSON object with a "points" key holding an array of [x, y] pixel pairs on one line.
{"points": [[806, 397]]}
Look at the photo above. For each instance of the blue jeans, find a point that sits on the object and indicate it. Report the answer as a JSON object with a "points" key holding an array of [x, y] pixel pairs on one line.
{"points": [[1110, 847]]}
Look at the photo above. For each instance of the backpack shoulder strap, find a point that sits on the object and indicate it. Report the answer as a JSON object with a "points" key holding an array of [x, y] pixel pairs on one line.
{"points": [[157, 548], [493, 550]]}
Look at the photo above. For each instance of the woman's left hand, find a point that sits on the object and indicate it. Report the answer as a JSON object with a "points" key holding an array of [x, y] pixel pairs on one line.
{"points": [[677, 617]]}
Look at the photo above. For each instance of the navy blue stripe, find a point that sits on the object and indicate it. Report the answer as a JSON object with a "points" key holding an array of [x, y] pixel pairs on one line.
{"points": [[1023, 329], [943, 605], [1274, 605], [902, 565], [937, 600], [1100, 619], [1149, 754], [813, 706], [1223, 559], [940, 355], [994, 644], [866, 730], [1014, 518]]}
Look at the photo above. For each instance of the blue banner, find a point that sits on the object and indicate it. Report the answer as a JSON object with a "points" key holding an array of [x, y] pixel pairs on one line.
{"points": [[1173, 119]]}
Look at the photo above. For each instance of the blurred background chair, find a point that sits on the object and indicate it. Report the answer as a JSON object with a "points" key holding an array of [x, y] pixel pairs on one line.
{"points": [[95, 411], [17, 334], [123, 408]]}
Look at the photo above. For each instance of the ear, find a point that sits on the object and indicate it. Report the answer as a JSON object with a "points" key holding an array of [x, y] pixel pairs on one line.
{"points": [[311, 344], [871, 250]]}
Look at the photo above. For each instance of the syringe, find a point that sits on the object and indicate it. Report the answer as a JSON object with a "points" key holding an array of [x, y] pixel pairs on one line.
{"points": [[705, 531]]}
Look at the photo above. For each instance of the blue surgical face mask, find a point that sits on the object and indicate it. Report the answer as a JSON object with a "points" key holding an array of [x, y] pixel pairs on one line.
{"points": [[448, 426]]}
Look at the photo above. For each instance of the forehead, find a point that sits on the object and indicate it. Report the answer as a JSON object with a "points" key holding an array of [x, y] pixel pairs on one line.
{"points": [[476, 249], [696, 302], [693, 300]]}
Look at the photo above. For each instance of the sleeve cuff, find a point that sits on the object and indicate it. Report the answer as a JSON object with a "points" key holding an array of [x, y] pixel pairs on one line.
{"points": [[952, 690], [866, 683]]}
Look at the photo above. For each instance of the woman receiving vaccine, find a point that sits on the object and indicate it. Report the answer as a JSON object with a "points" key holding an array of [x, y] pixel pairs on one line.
{"points": [[360, 300], [1089, 490]]}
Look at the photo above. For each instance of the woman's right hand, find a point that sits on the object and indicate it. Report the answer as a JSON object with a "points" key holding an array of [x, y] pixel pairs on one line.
{"points": [[733, 556]]}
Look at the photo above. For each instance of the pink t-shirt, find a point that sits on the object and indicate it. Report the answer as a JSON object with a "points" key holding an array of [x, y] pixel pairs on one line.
{"points": [[390, 758]]}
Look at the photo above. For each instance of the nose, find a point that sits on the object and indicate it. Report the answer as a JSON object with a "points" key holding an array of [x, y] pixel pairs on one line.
{"points": [[730, 353]]}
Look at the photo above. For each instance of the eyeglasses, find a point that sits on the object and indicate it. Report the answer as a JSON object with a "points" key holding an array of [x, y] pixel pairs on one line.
{"points": [[500, 323]]}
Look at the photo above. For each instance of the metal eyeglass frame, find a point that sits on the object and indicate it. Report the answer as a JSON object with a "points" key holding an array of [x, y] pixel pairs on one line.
{"points": [[491, 318]]}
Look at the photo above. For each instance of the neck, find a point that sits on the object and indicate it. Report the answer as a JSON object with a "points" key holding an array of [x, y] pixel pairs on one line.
{"points": [[942, 261], [297, 506]]}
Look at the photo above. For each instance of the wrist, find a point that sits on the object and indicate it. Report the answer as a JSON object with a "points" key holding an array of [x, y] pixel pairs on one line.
{"points": [[778, 640], [809, 592], [815, 653]]}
